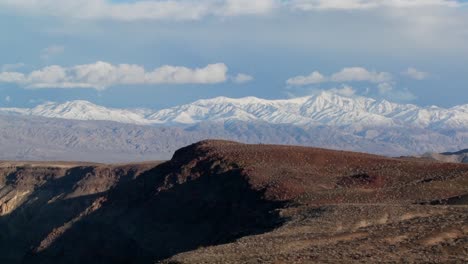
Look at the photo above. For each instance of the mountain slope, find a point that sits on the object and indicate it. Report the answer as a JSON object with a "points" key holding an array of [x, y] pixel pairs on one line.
{"points": [[33, 138], [79, 110], [225, 202], [37, 138], [323, 120], [326, 108]]}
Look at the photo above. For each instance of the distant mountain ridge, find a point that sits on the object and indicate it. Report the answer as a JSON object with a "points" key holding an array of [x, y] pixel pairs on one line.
{"points": [[326, 108], [80, 130], [456, 157], [79, 110], [460, 152]]}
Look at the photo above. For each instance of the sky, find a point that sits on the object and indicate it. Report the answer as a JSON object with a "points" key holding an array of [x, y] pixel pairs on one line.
{"points": [[161, 53]]}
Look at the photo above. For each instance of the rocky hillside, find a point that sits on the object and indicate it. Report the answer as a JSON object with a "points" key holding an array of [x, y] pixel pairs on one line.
{"points": [[225, 202], [52, 139]]}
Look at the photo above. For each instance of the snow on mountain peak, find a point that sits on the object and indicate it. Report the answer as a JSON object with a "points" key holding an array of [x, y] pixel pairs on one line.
{"points": [[84, 110], [325, 108]]}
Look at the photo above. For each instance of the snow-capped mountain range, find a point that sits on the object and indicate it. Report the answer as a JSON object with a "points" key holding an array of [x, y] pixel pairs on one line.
{"points": [[58, 131], [332, 109]]}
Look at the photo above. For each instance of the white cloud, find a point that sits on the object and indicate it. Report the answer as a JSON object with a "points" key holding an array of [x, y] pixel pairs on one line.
{"points": [[345, 90], [213, 73], [387, 90], [12, 77], [52, 51], [313, 78], [242, 78], [195, 9], [307, 5], [360, 74], [50, 74], [416, 74], [141, 10], [384, 84], [352, 74], [101, 75], [247, 7], [11, 67]]}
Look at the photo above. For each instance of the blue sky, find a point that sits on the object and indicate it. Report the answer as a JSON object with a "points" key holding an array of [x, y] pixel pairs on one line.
{"points": [[162, 53]]}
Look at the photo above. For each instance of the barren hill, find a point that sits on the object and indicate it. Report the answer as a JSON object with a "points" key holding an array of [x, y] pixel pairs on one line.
{"points": [[225, 202]]}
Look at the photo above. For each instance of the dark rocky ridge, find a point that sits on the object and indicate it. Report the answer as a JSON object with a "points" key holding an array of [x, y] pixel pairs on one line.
{"points": [[455, 157], [463, 151], [256, 202]]}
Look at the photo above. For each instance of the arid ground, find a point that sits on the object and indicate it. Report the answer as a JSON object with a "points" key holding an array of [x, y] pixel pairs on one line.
{"points": [[226, 202]]}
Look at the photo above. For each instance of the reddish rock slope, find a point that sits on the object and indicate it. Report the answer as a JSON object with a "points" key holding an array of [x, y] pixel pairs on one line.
{"points": [[225, 202]]}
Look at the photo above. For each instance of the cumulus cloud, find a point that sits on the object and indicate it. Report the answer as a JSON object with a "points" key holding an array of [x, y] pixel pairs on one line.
{"points": [[247, 7], [313, 78], [11, 77], [352, 74], [11, 67], [360, 74], [195, 9], [307, 5], [387, 90], [382, 84], [416, 74], [52, 51], [101, 75], [141, 10], [345, 90], [242, 78]]}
